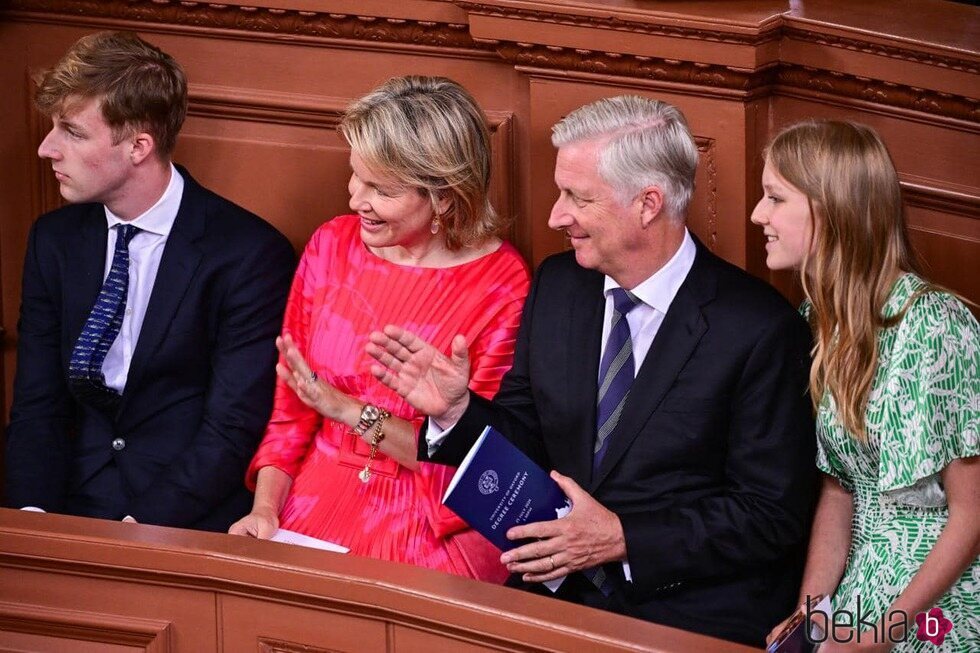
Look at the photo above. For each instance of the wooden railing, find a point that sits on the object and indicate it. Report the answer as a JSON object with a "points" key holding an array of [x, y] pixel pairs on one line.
{"points": [[75, 584]]}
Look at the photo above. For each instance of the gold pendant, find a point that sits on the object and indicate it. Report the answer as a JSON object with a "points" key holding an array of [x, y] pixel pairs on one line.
{"points": [[364, 475]]}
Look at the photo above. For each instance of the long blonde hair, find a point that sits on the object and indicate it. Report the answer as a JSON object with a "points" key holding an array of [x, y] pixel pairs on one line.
{"points": [[860, 246]]}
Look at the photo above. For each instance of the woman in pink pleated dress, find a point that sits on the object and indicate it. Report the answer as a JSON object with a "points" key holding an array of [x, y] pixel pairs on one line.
{"points": [[421, 250]]}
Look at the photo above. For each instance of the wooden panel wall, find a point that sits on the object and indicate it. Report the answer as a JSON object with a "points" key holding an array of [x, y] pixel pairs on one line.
{"points": [[71, 585], [270, 78]]}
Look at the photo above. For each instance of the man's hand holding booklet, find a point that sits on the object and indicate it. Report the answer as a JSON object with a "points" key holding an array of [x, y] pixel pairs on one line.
{"points": [[498, 487]]}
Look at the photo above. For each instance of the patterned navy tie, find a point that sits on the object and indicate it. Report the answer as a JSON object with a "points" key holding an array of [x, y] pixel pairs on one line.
{"points": [[615, 379], [615, 374], [101, 328]]}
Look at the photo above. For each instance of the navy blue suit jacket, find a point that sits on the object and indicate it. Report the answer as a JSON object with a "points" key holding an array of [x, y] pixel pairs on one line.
{"points": [[711, 466], [200, 384]]}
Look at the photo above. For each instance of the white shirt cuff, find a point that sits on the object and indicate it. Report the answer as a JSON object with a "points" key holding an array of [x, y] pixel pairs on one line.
{"points": [[435, 435], [626, 572], [33, 509]]}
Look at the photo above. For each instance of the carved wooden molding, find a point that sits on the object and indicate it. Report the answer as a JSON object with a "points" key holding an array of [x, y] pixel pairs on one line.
{"points": [[154, 636], [355, 31], [775, 29], [276, 22], [935, 105], [891, 51], [603, 21], [627, 65], [706, 148], [750, 83]]}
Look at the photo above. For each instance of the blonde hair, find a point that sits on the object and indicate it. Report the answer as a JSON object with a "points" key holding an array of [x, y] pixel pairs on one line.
{"points": [[860, 246], [649, 145], [138, 86], [429, 133]]}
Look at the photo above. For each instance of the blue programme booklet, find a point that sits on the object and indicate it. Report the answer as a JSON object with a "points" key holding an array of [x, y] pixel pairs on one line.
{"points": [[497, 487]]}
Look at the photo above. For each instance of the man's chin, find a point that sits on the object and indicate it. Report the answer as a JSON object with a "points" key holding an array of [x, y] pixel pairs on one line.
{"points": [[69, 195], [584, 259]]}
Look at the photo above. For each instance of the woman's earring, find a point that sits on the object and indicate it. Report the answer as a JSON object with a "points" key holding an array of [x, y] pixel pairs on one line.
{"points": [[434, 228]]}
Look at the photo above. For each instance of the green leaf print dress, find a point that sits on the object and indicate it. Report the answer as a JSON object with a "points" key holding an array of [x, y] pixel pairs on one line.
{"points": [[923, 412]]}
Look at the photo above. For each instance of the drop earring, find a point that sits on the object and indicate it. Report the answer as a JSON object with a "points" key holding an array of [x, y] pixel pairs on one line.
{"points": [[434, 228]]}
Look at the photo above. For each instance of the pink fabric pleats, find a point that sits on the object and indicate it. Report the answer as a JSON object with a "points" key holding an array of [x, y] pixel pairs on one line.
{"points": [[340, 294]]}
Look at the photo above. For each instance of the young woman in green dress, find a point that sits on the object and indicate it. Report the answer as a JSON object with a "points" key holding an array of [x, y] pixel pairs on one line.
{"points": [[894, 379]]}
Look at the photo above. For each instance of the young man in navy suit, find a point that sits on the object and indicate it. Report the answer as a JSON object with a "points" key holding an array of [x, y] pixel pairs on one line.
{"points": [[665, 387], [150, 306]]}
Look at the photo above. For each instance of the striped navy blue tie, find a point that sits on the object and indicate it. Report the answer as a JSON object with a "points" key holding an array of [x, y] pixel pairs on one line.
{"points": [[102, 327], [615, 374], [615, 379]]}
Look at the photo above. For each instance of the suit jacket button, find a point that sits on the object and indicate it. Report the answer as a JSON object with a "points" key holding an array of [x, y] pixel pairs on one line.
{"points": [[118, 444]]}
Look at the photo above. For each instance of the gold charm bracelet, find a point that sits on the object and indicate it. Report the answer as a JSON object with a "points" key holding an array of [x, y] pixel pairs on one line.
{"points": [[379, 435]]}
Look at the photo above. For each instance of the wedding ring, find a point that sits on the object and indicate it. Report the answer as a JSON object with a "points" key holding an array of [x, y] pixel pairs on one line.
{"points": [[553, 565], [313, 377]]}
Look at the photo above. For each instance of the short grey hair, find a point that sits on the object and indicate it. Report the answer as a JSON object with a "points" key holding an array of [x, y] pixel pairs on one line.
{"points": [[649, 144]]}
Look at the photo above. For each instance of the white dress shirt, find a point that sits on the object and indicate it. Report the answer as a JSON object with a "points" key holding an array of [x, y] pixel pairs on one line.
{"points": [[656, 295], [145, 252]]}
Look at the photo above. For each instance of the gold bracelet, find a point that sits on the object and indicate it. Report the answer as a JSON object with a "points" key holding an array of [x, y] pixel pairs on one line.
{"points": [[379, 435]]}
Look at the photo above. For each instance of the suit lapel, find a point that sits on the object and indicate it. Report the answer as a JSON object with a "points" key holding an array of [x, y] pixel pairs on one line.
{"points": [[676, 340], [181, 258], [584, 340], [85, 267]]}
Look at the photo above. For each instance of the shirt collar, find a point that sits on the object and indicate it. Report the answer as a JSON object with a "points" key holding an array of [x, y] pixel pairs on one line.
{"points": [[659, 289], [159, 218]]}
